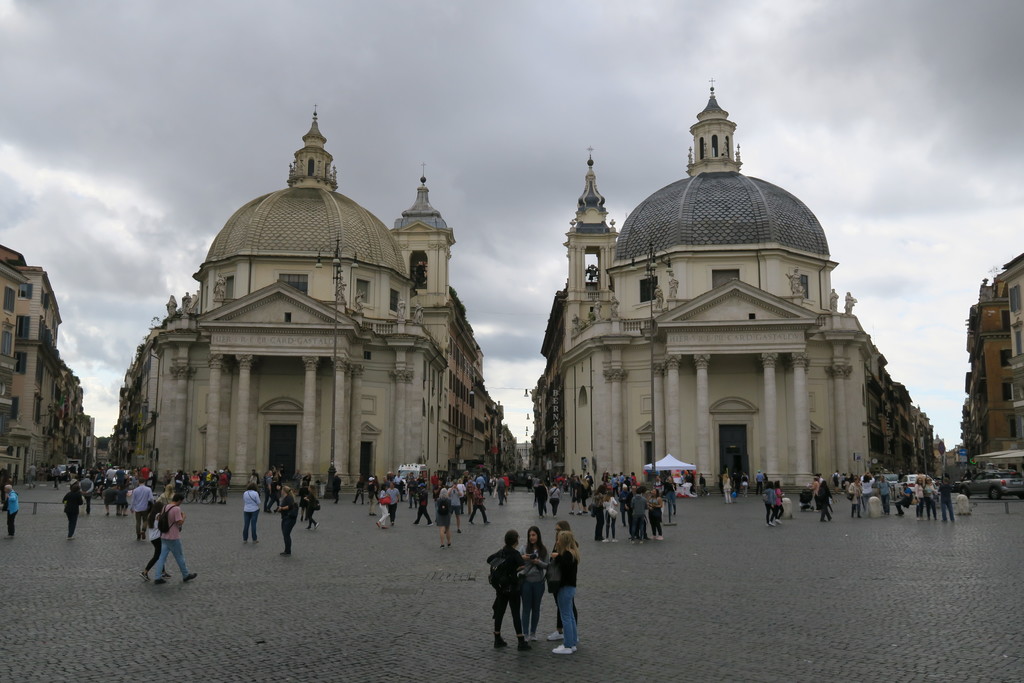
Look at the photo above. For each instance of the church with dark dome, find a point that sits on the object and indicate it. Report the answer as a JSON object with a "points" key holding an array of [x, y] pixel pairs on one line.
{"points": [[319, 340], [707, 328]]}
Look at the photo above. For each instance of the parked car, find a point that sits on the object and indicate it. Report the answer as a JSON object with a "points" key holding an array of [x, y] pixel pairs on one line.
{"points": [[994, 484]]}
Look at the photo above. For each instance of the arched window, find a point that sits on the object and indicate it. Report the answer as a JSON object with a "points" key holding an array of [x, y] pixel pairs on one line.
{"points": [[701, 148], [582, 402], [418, 269], [714, 145], [309, 167]]}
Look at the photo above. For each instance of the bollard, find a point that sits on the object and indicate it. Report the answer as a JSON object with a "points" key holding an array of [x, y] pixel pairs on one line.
{"points": [[962, 505], [874, 507], [787, 508]]}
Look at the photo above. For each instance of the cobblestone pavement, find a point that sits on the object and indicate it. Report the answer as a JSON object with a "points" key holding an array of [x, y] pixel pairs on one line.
{"points": [[722, 598]]}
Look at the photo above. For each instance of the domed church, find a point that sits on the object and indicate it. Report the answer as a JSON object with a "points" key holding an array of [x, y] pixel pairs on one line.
{"points": [[754, 363], [318, 338]]}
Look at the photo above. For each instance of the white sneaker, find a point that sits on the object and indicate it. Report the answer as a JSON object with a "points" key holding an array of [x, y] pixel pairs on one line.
{"points": [[563, 650], [555, 636]]}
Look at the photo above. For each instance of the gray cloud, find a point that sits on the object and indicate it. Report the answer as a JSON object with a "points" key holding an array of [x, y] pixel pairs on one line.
{"points": [[893, 121]]}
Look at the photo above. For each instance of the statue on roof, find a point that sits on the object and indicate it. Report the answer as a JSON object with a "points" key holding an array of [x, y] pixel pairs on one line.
{"points": [[850, 301], [172, 306]]}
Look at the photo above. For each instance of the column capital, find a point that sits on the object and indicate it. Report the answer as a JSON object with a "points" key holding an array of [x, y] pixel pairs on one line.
{"points": [[769, 360], [216, 361], [356, 369], [404, 376], [838, 371], [181, 370], [245, 361], [702, 360], [615, 374], [801, 360], [671, 363], [659, 368], [310, 362], [340, 364]]}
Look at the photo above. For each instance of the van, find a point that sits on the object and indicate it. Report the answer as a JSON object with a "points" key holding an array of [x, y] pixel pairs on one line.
{"points": [[412, 472]]}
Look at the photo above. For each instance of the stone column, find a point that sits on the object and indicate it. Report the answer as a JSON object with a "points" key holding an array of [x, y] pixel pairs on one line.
{"points": [[701, 361], [658, 409], [240, 466], [802, 416], [179, 432], [671, 425], [400, 379], [309, 415], [614, 378], [340, 455], [355, 430], [839, 372], [771, 426], [213, 412]]}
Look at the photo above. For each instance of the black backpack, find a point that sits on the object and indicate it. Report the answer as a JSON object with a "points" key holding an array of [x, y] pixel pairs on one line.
{"points": [[163, 523], [504, 574], [444, 506]]}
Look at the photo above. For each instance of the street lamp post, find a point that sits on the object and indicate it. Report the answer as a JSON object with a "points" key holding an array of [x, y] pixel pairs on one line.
{"points": [[339, 300], [651, 269]]}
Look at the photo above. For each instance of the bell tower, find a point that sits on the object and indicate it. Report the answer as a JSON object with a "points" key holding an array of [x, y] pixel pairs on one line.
{"points": [[591, 245]]}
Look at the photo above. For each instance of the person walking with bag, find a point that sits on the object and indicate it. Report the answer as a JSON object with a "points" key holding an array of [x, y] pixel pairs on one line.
{"points": [[385, 502], [170, 522], [72, 502], [289, 511], [824, 500], [11, 507], [611, 516], [153, 535], [312, 505]]}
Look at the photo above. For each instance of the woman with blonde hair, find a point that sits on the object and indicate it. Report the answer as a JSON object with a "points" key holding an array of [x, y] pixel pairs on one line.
{"points": [[566, 556]]}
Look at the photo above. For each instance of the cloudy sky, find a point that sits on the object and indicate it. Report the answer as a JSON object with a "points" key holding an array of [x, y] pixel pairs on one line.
{"points": [[131, 131]]}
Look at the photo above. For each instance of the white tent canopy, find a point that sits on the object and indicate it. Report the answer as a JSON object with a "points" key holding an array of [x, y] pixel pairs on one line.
{"points": [[669, 462], [1001, 455]]}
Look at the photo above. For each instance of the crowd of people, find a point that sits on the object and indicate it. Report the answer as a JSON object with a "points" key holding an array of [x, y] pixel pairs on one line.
{"points": [[919, 491]]}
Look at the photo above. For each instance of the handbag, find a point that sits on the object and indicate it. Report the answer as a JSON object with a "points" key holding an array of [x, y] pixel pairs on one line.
{"points": [[385, 500], [613, 513]]}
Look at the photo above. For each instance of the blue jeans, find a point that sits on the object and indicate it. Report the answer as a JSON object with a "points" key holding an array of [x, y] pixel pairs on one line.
{"points": [[566, 594], [287, 524], [609, 526], [947, 505], [533, 593], [885, 505], [250, 519], [174, 547]]}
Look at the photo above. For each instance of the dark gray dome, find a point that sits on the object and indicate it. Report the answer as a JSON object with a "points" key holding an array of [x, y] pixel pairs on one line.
{"points": [[720, 208]]}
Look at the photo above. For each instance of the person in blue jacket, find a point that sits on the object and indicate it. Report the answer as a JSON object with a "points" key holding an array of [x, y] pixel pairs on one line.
{"points": [[12, 507]]}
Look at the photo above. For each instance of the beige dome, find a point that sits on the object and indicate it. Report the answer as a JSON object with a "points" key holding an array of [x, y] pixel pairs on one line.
{"points": [[302, 221]]}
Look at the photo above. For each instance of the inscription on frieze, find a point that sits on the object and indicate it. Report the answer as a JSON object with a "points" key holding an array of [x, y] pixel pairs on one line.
{"points": [[733, 338], [266, 340]]}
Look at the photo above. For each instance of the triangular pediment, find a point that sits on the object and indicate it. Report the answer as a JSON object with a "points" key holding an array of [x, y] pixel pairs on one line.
{"points": [[269, 306], [736, 301]]}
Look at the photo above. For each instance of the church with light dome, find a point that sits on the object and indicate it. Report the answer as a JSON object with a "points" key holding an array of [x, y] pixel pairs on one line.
{"points": [[319, 338], [708, 328]]}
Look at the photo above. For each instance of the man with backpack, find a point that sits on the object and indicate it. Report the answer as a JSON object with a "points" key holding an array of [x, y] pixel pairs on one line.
{"points": [[169, 523], [504, 578]]}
